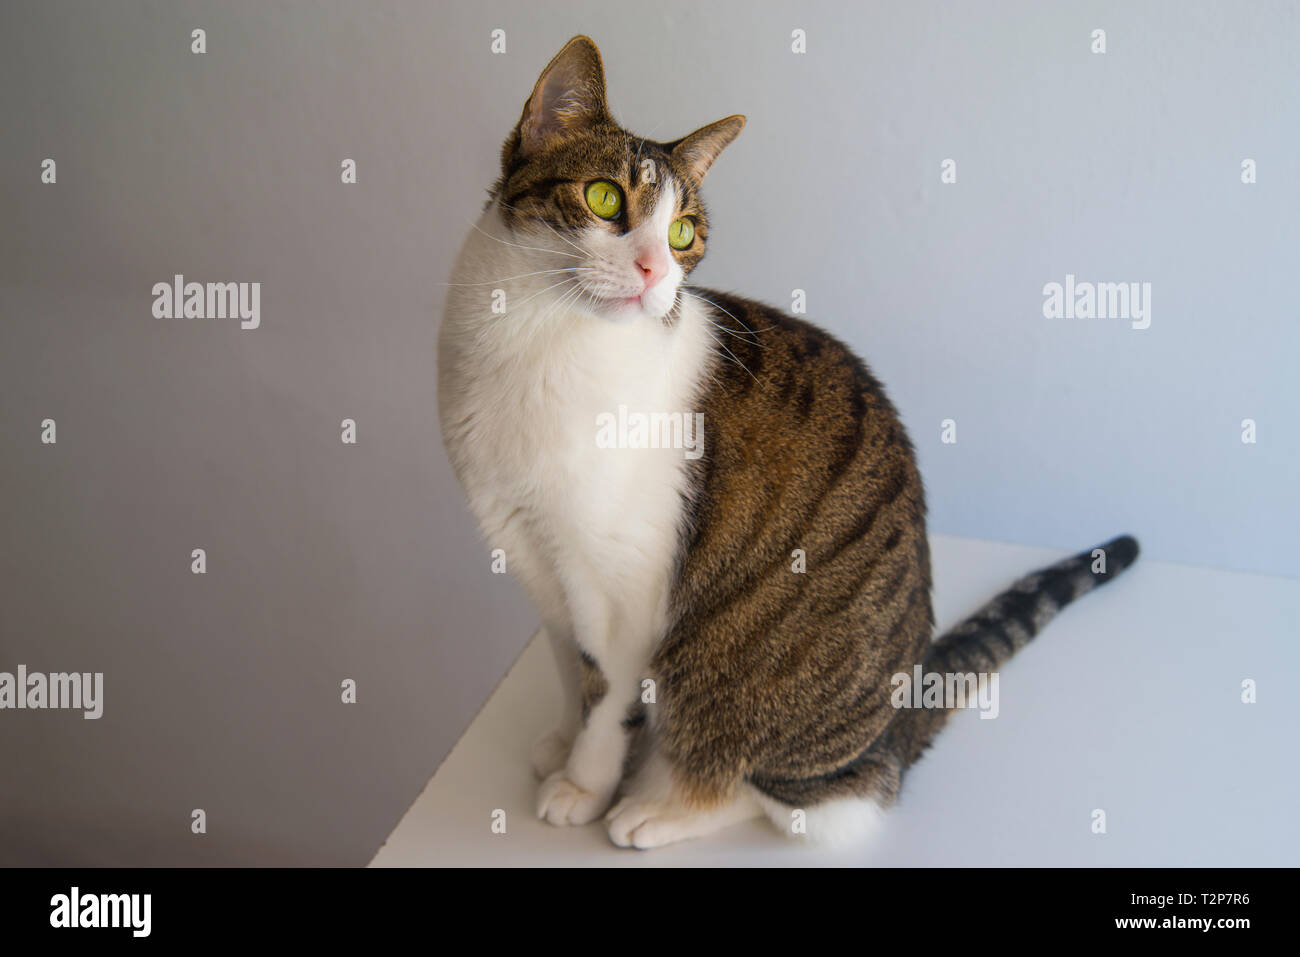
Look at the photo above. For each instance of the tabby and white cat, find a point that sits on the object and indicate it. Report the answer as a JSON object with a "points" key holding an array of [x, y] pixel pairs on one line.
{"points": [[771, 688]]}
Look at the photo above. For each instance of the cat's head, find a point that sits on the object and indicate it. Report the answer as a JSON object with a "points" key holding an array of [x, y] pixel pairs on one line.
{"points": [[628, 209]]}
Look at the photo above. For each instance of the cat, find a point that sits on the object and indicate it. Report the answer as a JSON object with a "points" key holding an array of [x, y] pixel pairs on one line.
{"points": [[707, 678]]}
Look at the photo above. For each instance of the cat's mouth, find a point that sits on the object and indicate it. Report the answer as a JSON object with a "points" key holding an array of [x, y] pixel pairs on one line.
{"points": [[616, 307], [614, 304]]}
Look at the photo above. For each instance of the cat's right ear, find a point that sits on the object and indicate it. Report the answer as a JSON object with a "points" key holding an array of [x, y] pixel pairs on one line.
{"points": [[569, 95], [701, 148]]}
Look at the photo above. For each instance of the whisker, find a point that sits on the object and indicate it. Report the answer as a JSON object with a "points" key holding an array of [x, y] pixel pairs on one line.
{"points": [[548, 225], [743, 325], [523, 275], [510, 309], [530, 328], [733, 356], [585, 253], [722, 345], [540, 249], [542, 325], [734, 333], [570, 296]]}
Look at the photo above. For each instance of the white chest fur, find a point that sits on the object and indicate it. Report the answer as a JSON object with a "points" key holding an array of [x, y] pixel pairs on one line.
{"points": [[591, 531]]}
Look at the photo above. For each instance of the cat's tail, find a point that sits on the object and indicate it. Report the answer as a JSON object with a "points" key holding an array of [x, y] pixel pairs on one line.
{"points": [[987, 639]]}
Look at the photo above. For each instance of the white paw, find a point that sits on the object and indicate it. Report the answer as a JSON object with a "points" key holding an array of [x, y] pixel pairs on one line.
{"points": [[644, 824], [561, 802], [549, 754]]}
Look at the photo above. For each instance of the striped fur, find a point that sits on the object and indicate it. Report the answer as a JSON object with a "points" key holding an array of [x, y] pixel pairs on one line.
{"points": [[987, 639], [769, 591], [781, 679]]}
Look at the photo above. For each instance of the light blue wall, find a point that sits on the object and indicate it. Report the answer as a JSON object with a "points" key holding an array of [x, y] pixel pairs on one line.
{"points": [[329, 561], [1115, 167]]}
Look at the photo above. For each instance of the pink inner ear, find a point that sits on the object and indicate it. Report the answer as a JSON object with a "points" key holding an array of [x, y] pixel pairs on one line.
{"points": [[568, 96], [561, 103], [701, 148]]}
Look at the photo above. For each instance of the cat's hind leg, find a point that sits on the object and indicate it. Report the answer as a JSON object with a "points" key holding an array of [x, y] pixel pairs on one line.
{"points": [[656, 811], [839, 822], [844, 810]]}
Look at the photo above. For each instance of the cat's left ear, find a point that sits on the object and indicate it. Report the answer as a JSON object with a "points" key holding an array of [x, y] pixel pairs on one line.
{"points": [[698, 151], [569, 95]]}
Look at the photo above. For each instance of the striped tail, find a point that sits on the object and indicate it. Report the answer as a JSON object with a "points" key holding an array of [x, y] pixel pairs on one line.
{"points": [[987, 639]]}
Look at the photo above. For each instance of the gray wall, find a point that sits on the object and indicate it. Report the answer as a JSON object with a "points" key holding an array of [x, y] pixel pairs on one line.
{"points": [[329, 561]]}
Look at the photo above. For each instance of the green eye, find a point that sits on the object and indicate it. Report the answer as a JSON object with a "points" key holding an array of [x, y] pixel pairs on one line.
{"points": [[604, 199], [681, 233]]}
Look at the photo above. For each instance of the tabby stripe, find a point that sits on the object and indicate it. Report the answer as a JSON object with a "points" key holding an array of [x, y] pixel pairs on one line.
{"points": [[538, 190], [866, 522]]}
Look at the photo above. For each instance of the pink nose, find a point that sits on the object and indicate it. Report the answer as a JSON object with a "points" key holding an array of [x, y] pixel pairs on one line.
{"points": [[652, 268]]}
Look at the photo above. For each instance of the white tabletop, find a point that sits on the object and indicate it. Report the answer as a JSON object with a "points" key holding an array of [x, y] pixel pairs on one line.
{"points": [[1129, 702]]}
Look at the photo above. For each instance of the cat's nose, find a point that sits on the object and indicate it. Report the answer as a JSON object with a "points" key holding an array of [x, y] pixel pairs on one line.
{"points": [[652, 268]]}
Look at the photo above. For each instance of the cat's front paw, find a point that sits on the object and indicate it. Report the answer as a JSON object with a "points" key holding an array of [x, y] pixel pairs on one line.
{"points": [[642, 824], [561, 802], [549, 754]]}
